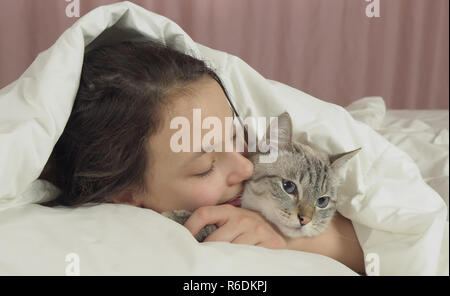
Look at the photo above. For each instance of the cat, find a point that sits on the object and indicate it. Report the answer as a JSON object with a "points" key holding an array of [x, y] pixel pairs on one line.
{"points": [[297, 192]]}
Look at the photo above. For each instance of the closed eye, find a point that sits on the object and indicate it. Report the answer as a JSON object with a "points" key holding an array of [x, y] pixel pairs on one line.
{"points": [[208, 172]]}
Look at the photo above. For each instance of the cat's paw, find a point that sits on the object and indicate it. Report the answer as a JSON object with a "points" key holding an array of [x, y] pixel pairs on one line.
{"points": [[204, 232], [179, 216]]}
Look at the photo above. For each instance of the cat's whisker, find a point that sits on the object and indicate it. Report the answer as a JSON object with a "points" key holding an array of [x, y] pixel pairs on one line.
{"points": [[284, 213]]}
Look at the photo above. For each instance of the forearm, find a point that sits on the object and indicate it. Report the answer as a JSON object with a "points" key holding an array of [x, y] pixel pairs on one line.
{"points": [[338, 242]]}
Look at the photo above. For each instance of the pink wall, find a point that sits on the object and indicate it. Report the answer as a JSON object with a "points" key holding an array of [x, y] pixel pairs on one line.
{"points": [[328, 48]]}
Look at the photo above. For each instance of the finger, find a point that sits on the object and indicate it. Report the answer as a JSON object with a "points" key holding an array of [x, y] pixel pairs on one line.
{"points": [[203, 216], [226, 233], [247, 239], [273, 243]]}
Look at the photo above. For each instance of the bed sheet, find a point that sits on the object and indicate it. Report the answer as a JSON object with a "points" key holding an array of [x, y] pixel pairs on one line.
{"points": [[423, 134]]}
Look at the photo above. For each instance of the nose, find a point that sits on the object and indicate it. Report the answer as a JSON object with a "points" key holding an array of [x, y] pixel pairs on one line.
{"points": [[304, 220], [241, 170]]}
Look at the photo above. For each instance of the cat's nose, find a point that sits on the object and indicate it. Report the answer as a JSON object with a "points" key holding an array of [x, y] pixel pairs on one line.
{"points": [[303, 220]]}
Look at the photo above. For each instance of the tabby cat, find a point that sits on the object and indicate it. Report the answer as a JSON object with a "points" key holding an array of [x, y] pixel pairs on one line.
{"points": [[297, 192]]}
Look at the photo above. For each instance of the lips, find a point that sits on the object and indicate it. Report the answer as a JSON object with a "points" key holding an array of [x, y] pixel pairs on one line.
{"points": [[236, 200]]}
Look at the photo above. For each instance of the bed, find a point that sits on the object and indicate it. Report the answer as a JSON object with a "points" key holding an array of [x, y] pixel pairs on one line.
{"points": [[395, 193], [423, 134]]}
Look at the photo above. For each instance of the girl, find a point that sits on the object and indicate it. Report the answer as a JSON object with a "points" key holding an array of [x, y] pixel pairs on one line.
{"points": [[116, 148]]}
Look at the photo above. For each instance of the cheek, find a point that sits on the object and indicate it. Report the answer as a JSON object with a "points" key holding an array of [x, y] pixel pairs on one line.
{"points": [[205, 193]]}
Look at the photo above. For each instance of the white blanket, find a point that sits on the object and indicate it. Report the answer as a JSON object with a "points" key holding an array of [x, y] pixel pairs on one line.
{"points": [[423, 134], [397, 217]]}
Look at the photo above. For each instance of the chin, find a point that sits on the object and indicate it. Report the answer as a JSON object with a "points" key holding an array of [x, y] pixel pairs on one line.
{"points": [[300, 231]]}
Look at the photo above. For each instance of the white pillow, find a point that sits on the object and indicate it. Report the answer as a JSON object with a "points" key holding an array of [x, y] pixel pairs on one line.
{"points": [[112, 239]]}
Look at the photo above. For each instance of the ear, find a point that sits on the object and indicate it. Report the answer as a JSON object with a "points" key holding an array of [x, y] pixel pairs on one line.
{"points": [[284, 127], [338, 160]]}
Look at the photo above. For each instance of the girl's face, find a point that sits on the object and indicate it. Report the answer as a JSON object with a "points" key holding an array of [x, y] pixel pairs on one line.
{"points": [[189, 180]]}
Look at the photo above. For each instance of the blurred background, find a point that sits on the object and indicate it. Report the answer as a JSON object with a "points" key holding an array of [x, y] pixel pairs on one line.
{"points": [[328, 48]]}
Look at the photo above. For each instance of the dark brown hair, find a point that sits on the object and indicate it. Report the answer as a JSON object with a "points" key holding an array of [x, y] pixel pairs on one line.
{"points": [[118, 107]]}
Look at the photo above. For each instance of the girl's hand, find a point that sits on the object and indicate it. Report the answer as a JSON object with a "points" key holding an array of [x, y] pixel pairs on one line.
{"points": [[236, 225]]}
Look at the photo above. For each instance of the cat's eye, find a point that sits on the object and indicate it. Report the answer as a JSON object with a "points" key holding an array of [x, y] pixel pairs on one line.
{"points": [[322, 202], [289, 186]]}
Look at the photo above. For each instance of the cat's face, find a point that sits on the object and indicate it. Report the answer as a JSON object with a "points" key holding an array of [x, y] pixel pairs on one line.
{"points": [[297, 192]]}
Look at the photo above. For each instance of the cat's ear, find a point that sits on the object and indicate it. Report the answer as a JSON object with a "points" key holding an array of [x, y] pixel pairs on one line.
{"points": [[338, 160], [284, 127]]}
